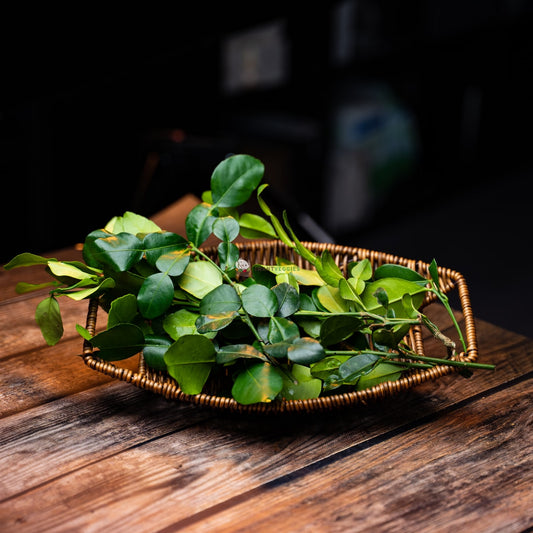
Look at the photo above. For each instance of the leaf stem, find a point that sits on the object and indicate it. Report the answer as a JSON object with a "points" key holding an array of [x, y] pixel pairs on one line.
{"points": [[446, 303], [411, 355], [360, 314]]}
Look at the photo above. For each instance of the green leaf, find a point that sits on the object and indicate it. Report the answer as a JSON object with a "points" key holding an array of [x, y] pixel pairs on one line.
{"points": [[26, 259], [228, 254], [259, 301], [58, 268], [300, 248], [122, 310], [173, 263], [207, 197], [256, 227], [155, 295], [158, 244], [89, 248], [22, 287], [434, 272], [154, 351], [348, 290], [210, 323], [389, 337], [308, 277], [328, 269], [199, 224], [352, 369], [234, 180], [120, 251], [189, 361], [48, 317], [262, 204], [395, 289], [337, 328], [278, 350], [310, 325], [119, 342], [226, 228], [290, 280], [105, 284], [409, 306], [145, 269], [84, 332], [305, 351], [382, 297], [221, 299], [288, 299], [262, 275], [280, 232], [280, 329], [361, 269], [182, 322], [230, 353], [398, 271], [329, 365], [200, 278], [258, 383], [330, 298], [306, 303], [380, 373], [304, 387], [131, 223]]}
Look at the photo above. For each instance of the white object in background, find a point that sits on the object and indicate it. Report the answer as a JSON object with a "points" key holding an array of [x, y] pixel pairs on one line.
{"points": [[256, 58]]}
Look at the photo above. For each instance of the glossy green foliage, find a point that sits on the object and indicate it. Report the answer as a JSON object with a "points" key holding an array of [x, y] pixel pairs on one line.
{"points": [[259, 301], [48, 316], [259, 382], [275, 331], [189, 361], [154, 351], [234, 180], [301, 385], [119, 342]]}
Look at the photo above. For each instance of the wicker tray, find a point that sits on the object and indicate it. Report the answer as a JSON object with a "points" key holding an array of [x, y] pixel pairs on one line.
{"points": [[265, 252]]}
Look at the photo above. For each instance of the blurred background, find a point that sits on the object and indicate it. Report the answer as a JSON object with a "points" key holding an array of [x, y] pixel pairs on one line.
{"points": [[397, 126]]}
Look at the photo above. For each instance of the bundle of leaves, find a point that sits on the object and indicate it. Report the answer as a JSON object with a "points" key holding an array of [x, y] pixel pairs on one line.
{"points": [[261, 332]]}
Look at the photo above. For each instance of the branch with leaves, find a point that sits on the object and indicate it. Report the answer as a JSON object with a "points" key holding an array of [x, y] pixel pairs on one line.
{"points": [[281, 333]]}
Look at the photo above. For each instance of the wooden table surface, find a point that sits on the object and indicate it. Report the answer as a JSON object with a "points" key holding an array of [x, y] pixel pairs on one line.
{"points": [[80, 452]]}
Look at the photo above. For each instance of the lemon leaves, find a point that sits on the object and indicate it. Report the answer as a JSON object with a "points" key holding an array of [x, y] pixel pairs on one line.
{"points": [[232, 183], [265, 331], [267, 341], [71, 278]]}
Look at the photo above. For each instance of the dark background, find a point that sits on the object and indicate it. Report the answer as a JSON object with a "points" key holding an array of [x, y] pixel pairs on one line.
{"points": [[397, 126]]}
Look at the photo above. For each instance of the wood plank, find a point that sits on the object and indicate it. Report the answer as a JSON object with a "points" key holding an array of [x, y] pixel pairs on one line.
{"points": [[454, 467], [116, 417], [167, 472], [41, 376], [469, 469]]}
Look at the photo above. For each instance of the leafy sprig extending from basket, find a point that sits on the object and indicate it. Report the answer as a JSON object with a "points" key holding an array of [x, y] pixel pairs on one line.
{"points": [[263, 332]]}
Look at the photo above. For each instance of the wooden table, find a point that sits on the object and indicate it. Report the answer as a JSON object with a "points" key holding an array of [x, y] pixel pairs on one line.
{"points": [[80, 452]]}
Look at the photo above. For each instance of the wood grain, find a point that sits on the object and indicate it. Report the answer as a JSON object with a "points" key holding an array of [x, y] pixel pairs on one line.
{"points": [[469, 469], [177, 467], [213, 475]]}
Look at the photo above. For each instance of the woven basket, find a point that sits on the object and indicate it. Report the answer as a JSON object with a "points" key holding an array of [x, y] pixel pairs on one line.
{"points": [[265, 252]]}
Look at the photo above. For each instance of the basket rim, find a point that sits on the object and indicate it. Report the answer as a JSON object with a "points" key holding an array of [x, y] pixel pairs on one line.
{"points": [[168, 388]]}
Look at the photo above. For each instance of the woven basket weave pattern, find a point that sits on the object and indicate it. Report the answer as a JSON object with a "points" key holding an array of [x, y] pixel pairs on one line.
{"points": [[265, 252]]}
